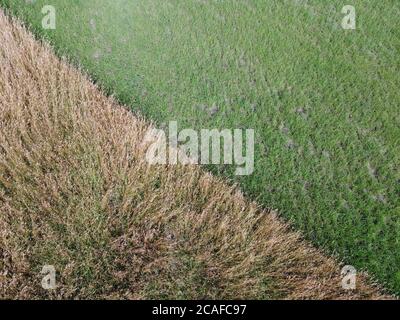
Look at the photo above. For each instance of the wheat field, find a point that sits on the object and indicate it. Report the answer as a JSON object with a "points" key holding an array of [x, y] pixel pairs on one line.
{"points": [[323, 101], [77, 193]]}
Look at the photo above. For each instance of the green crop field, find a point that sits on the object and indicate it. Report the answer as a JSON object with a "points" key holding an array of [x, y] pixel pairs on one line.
{"points": [[324, 102]]}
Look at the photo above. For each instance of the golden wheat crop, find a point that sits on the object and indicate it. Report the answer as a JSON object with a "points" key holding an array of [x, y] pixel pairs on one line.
{"points": [[77, 193]]}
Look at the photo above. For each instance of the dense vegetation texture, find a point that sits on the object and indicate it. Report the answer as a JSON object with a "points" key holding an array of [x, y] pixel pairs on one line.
{"points": [[77, 193], [324, 101]]}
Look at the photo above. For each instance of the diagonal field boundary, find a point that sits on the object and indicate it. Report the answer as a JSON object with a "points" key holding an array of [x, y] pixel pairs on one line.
{"points": [[76, 193]]}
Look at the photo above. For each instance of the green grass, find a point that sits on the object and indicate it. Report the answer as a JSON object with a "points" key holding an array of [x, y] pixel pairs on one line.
{"points": [[324, 101]]}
